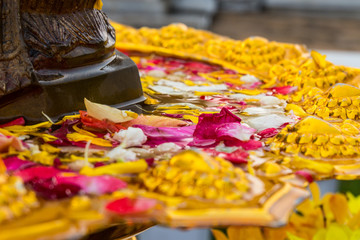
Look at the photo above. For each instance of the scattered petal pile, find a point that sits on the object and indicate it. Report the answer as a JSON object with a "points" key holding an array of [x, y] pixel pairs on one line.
{"points": [[231, 133]]}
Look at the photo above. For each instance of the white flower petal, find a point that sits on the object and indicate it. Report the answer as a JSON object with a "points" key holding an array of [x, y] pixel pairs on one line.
{"points": [[249, 79], [121, 154], [270, 101], [168, 147], [130, 137], [268, 121]]}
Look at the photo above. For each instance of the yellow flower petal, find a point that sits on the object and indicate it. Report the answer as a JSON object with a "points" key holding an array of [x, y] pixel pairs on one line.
{"points": [[355, 235], [336, 231], [354, 203], [192, 160], [354, 221], [344, 90], [206, 93], [219, 235], [320, 235], [116, 168], [250, 168], [151, 101], [349, 129], [74, 158], [77, 137], [98, 5], [36, 230], [83, 132], [327, 212], [298, 111], [28, 129], [271, 168], [239, 233], [44, 136], [319, 167], [293, 237], [250, 92], [68, 117], [275, 233], [319, 59], [339, 207], [194, 119], [44, 158], [2, 167], [80, 203], [132, 114], [6, 132], [316, 125], [315, 192], [49, 148]]}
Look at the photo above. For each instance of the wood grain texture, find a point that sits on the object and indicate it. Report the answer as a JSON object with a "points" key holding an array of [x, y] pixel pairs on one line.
{"points": [[15, 67], [38, 35]]}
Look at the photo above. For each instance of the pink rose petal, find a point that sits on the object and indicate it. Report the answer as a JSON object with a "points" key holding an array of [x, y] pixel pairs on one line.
{"points": [[40, 172], [237, 157], [234, 130], [17, 121], [268, 133], [159, 135], [208, 123], [14, 163], [131, 206], [283, 90], [306, 175], [93, 185]]}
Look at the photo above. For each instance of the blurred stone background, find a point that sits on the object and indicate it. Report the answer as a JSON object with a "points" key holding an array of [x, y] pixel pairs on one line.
{"points": [[319, 24]]}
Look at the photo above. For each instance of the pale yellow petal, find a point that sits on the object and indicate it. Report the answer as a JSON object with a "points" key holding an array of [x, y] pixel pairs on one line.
{"points": [[320, 235], [337, 232], [102, 112]]}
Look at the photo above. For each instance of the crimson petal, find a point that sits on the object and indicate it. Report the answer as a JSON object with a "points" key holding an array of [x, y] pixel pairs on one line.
{"points": [[17, 121], [206, 127]]}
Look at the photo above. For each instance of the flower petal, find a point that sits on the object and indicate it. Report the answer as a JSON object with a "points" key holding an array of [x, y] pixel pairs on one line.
{"points": [[234, 131], [268, 133], [208, 123], [131, 206], [155, 121], [160, 135], [219, 235], [17, 121], [10, 141], [92, 185], [103, 112], [14, 163]]}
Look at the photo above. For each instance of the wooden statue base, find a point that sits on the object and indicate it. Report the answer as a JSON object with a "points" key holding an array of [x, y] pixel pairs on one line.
{"points": [[114, 82]]}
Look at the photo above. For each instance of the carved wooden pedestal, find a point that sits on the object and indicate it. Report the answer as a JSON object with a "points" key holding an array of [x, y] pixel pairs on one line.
{"points": [[54, 53]]}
